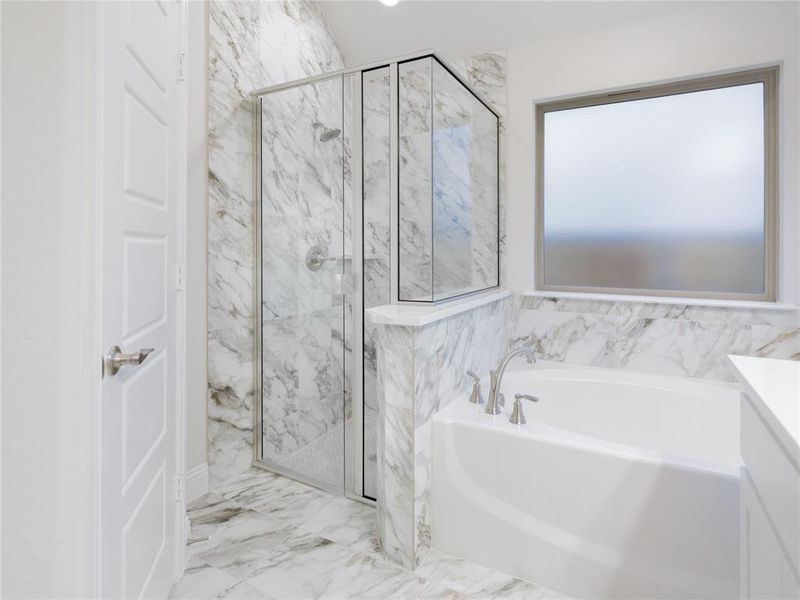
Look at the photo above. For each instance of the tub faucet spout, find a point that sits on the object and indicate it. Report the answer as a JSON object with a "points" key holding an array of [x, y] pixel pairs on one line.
{"points": [[496, 399]]}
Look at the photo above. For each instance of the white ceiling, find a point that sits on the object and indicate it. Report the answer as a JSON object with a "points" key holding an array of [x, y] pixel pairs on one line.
{"points": [[369, 31]]}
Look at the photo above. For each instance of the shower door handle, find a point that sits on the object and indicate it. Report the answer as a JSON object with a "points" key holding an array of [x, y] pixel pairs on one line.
{"points": [[114, 360]]}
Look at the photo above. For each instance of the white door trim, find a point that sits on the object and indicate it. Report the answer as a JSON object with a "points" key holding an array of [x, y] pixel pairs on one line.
{"points": [[181, 533]]}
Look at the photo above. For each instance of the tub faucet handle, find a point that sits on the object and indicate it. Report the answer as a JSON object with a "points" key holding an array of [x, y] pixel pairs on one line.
{"points": [[517, 414], [476, 397]]}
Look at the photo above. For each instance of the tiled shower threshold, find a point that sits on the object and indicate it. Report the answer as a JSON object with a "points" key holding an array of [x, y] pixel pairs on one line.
{"points": [[260, 535]]}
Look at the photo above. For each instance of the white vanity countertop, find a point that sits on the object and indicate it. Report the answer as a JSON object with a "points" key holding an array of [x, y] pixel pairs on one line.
{"points": [[417, 315], [774, 386]]}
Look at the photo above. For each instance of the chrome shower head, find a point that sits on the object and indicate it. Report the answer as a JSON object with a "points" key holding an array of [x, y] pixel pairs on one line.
{"points": [[328, 133]]}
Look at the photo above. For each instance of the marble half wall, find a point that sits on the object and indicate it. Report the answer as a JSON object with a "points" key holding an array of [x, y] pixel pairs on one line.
{"points": [[421, 369], [651, 337], [251, 45]]}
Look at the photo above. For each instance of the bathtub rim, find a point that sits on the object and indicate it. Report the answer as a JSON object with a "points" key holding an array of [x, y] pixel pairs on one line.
{"points": [[468, 415], [659, 381]]}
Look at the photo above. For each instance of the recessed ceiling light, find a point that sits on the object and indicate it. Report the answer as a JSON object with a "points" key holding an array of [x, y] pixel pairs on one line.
{"points": [[389, 2]]}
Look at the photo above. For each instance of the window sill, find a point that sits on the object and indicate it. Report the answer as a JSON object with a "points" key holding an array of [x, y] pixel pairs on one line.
{"points": [[740, 304]]}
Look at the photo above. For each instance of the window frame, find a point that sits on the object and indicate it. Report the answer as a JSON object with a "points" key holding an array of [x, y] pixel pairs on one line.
{"points": [[768, 76]]}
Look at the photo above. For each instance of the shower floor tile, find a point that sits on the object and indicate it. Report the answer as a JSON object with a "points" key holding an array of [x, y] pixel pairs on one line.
{"points": [[260, 535]]}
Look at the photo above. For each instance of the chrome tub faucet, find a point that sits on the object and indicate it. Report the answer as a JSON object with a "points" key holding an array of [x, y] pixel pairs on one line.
{"points": [[496, 399]]}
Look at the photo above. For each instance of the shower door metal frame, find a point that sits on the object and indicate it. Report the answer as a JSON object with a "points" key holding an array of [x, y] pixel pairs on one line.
{"points": [[257, 324], [356, 467], [357, 262]]}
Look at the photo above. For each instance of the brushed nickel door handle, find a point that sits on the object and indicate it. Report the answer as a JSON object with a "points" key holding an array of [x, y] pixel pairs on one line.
{"points": [[115, 359]]}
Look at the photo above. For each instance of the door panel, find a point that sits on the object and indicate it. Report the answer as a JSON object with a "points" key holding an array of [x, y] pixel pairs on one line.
{"points": [[138, 150], [148, 38], [144, 265], [145, 137], [144, 414], [144, 538]]}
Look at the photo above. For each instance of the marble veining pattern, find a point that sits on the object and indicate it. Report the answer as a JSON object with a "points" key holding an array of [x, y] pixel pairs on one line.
{"points": [[302, 200], [254, 44], [251, 45], [465, 189], [427, 365], [651, 337], [421, 370], [376, 285], [486, 74], [449, 194], [415, 227], [262, 536], [395, 449]]}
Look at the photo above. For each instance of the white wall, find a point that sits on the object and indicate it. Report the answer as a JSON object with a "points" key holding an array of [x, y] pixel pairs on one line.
{"points": [[50, 358], [196, 250], [693, 40]]}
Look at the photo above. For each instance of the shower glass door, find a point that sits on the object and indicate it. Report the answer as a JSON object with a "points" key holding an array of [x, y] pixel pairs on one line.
{"points": [[302, 282]]}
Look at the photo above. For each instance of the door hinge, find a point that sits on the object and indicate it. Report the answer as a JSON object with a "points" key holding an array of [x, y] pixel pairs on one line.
{"points": [[179, 489], [179, 277], [181, 60]]}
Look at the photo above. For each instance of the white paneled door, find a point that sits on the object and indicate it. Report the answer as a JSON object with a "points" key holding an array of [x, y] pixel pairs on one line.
{"points": [[138, 146]]}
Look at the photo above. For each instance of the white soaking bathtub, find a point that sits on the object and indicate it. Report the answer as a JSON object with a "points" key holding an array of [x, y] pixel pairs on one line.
{"points": [[621, 485]]}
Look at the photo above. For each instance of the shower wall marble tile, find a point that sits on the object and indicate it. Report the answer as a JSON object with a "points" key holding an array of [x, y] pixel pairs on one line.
{"points": [[303, 207], [486, 74], [415, 226], [421, 370], [650, 337], [251, 45], [465, 189], [449, 179]]}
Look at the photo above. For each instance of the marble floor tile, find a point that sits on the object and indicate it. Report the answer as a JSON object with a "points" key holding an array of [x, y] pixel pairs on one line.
{"points": [[307, 566], [201, 580], [454, 572], [232, 538], [274, 496], [422, 589], [206, 514], [475, 580], [260, 535], [499, 586], [347, 522]]}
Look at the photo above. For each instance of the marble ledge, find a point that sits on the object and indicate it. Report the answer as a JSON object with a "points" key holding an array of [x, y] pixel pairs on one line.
{"points": [[773, 385], [741, 304], [414, 315]]}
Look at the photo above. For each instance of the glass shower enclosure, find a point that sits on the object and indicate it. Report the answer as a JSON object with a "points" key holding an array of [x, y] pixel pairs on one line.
{"points": [[372, 186]]}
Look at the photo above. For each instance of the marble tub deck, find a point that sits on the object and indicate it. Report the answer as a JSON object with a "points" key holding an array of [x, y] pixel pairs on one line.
{"points": [[263, 536]]}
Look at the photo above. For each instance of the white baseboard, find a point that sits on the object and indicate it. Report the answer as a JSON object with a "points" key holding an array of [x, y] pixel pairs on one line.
{"points": [[196, 482]]}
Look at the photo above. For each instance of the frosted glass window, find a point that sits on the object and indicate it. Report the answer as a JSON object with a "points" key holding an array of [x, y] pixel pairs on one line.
{"points": [[662, 194]]}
